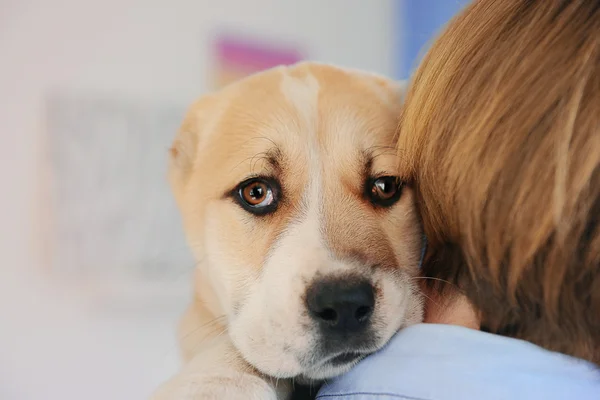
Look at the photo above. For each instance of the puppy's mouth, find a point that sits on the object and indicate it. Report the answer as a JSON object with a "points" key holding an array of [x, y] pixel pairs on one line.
{"points": [[331, 366], [344, 358]]}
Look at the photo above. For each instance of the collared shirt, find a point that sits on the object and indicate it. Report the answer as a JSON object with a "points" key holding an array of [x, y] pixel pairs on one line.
{"points": [[446, 362]]}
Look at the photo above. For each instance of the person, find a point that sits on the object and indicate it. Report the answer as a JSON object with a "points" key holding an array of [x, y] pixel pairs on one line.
{"points": [[500, 136]]}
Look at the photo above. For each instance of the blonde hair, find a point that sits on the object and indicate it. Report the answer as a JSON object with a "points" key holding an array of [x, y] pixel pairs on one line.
{"points": [[501, 135]]}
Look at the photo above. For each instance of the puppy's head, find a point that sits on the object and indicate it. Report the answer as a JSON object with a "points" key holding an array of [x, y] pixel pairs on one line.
{"points": [[306, 239]]}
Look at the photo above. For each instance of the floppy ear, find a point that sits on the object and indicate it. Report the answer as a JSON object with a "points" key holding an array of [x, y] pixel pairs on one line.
{"points": [[401, 88], [184, 150], [394, 91], [397, 90]]}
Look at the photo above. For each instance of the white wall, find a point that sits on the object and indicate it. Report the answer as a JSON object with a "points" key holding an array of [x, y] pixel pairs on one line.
{"points": [[52, 346]]}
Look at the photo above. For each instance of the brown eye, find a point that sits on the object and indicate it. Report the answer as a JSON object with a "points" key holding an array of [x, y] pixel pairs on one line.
{"points": [[384, 191], [255, 193], [258, 196]]}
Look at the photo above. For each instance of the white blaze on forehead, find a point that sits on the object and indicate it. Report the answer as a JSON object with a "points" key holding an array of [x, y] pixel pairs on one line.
{"points": [[302, 248], [302, 93]]}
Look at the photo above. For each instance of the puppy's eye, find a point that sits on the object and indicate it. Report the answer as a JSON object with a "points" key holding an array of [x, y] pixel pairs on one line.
{"points": [[257, 196], [384, 191]]}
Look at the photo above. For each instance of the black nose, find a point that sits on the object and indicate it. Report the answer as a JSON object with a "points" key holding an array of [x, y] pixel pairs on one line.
{"points": [[342, 305]]}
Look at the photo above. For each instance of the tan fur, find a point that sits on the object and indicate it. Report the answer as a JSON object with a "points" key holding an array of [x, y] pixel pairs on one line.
{"points": [[247, 324]]}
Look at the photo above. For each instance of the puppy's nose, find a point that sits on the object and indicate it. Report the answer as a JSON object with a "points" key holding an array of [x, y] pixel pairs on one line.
{"points": [[344, 306]]}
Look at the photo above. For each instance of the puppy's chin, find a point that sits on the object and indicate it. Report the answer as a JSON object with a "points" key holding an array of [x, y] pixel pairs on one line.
{"points": [[299, 352], [328, 370], [260, 345], [283, 362]]}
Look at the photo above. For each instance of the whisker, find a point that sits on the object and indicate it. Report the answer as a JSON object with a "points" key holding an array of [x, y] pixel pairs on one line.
{"points": [[212, 332], [208, 324], [187, 335], [267, 139], [262, 155], [430, 299], [256, 158], [260, 138], [433, 279]]}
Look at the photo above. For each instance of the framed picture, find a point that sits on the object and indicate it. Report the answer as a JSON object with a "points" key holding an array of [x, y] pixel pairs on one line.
{"points": [[237, 56]]}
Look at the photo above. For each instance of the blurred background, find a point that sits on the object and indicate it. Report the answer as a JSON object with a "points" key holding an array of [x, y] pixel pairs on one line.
{"points": [[94, 270]]}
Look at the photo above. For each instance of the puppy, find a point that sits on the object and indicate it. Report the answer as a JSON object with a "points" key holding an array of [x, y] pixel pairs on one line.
{"points": [[305, 237]]}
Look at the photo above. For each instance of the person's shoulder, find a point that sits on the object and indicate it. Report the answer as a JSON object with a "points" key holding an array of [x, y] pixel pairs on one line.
{"points": [[445, 362]]}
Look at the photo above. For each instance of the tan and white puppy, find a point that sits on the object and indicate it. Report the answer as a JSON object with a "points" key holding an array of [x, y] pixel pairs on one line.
{"points": [[306, 239]]}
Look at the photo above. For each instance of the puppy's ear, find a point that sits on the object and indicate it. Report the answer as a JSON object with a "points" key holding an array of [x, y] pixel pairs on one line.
{"points": [[184, 150], [395, 89], [401, 89]]}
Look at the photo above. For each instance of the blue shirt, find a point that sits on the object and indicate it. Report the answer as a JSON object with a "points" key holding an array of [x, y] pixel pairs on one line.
{"points": [[446, 362]]}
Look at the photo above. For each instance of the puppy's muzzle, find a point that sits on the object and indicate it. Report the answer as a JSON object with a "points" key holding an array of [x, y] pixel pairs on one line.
{"points": [[342, 310]]}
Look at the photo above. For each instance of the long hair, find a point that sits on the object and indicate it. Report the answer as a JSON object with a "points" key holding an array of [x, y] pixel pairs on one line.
{"points": [[500, 135]]}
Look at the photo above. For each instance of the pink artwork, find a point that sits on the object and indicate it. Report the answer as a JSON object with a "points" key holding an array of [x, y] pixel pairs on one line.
{"points": [[238, 57]]}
